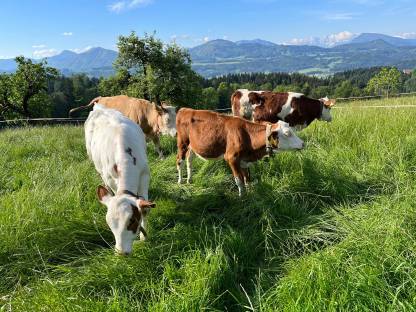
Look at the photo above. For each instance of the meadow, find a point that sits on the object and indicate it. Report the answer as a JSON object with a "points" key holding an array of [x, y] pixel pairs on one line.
{"points": [[330, 228]]}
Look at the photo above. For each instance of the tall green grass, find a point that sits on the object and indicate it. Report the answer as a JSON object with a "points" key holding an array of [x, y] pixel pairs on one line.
{"points": [[331, 228]]}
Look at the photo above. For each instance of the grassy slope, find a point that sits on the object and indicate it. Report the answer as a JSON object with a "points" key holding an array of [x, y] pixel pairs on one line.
{"points": [[330, 228]]}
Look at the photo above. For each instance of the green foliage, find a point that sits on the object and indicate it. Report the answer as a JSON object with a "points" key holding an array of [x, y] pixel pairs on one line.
{"points": [[209, 99], [331, 228], [410, 85], [66, 93], [386, 82], [159, 72], [24, 93]]}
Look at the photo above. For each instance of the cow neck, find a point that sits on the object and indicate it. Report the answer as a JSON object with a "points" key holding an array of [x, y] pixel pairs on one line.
{"points": [[259, 138]]}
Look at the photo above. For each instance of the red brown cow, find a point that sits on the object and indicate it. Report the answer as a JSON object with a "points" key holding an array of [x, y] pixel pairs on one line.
{"points": [[211, 135], [153, 119], [295, 108]]}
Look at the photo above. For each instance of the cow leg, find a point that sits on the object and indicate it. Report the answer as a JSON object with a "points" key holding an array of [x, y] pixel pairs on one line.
{"points": [[156, 142], [245, 170], [144, 192], [180, 157], [234, 164], [189, 157]]}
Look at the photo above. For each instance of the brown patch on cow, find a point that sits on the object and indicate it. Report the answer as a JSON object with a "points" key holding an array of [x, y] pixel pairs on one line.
{"points": [[115, 168], [134, 220], [101, 192], [130, 152], [304, 109], [272, 105], [256, 98], [235, 103]]}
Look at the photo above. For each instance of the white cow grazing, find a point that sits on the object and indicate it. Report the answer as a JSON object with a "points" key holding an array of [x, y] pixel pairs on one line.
{"points": [[117, 147]]}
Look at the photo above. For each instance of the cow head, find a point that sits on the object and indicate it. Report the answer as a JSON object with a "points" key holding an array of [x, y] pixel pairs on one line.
{"points": [[124, 216], [255, 99], [326, 108], [282, 138], [167, 119]]}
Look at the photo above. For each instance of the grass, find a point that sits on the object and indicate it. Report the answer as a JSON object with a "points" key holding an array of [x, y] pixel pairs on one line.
{"points": [[332, 228]]}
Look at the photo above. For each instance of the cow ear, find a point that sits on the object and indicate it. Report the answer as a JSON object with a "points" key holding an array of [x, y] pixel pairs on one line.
{"points": [[103, 194], [328, 102], [143, 204]]}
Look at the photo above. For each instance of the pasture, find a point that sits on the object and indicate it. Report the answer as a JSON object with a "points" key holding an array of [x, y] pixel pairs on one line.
{"points": [[331, 228]]}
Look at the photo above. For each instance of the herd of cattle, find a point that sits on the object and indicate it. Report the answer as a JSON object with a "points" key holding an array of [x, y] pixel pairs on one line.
{"points": [[117, 129]]}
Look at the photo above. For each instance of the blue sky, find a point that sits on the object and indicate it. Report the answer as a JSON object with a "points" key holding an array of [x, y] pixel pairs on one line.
{"points": [[38, 28]]}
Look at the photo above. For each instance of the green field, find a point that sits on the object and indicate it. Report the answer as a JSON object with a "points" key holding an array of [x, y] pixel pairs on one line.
{"points": [[331, 228]]}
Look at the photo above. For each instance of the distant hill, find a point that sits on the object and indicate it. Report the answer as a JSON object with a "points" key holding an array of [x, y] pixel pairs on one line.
{"points": [[219, 57], [94, 62], [396, 41]]}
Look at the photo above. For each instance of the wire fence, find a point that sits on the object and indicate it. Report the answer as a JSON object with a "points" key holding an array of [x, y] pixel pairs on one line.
{"points": [[16, 123]]}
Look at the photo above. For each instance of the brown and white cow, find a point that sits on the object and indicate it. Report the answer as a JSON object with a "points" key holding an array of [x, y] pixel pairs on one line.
{"points": [[295, 108], [211, 135], [153, 119]]}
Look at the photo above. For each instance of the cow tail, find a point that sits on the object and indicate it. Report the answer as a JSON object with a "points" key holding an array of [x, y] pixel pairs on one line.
{"points": [[85, 107]]}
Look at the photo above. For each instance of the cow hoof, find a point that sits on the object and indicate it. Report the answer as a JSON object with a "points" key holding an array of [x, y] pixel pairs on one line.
{"points": [[142, 237]]}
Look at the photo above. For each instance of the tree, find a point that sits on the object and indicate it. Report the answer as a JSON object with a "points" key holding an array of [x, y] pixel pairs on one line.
{"points": [[159, 72], [209, 99], [24, 93], [344, 90], [387, 81]]}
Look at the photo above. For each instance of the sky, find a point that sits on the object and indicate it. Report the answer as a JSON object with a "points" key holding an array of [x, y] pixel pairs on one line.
{"points": [[42, 28]]}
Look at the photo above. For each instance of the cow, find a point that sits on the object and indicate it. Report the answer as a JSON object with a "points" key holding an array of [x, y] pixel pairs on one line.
{"points": [[295, 108], [211, 135], [117, 147], [153, 119]]}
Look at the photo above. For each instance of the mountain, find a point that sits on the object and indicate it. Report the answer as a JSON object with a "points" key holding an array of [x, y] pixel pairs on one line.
{"points": [[94, 62], [219, 57], [396, 41], [256, 41]]}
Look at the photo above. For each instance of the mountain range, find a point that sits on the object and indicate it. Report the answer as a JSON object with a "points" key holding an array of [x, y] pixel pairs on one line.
{"points": [[218, 57]]}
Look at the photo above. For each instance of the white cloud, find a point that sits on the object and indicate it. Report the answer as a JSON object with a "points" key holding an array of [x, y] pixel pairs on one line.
{"points": [[339, 16], [68, 33], [327, 41], [81, 50], [124, 5], [407, 35], [179, 37], [206, 39], [38, 46], [45, 53]]}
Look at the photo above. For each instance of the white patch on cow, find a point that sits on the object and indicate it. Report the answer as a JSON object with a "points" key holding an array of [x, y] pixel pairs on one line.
{"points": [[113, 139], [168, 126], [179, 168], [287, 107], [288, 140], [208, 159], [240, 185], [246, 109]]}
